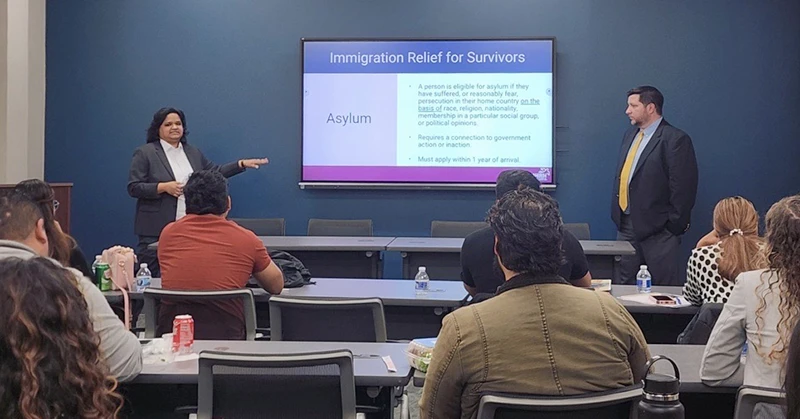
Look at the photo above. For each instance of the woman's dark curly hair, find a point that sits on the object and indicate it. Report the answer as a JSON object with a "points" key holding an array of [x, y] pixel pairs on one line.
{"points": [[528, 228], [158, 119], [50, 362], [783, 260], [791, 385]]}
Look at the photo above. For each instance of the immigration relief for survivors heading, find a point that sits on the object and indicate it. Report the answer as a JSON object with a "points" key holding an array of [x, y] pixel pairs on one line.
{"points": [[397, 57]]}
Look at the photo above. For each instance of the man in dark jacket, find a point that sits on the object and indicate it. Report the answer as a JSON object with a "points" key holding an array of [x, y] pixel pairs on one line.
{"points": [[654, 189]]}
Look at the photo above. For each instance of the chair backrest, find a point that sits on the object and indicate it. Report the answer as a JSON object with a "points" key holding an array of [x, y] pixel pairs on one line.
{"points": [[324, 227], [749, 398], [263, 226], [579, 230], [298, 386], [153, 296], [607, 404], [355, 320], [457, 229]]}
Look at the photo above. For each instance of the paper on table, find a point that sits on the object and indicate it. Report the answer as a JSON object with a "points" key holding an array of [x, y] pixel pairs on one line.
{"points": [[644, 298], [601, 284], [186, 357], [389, 363], [155, 359]]}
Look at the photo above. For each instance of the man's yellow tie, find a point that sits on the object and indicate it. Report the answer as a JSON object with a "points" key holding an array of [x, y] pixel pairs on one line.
{"points": [[626, 172]]}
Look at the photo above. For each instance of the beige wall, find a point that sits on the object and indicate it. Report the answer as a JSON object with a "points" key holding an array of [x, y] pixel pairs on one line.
{"points": [[22, 89]]}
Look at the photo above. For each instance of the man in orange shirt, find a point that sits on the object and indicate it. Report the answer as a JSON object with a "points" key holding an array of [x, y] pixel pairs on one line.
{"points": [[204, 251]]}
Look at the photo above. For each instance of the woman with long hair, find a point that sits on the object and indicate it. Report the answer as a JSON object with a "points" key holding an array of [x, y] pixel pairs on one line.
{"points": [[731, 248], [63, 247], [762, 310], [50, 360], [791, 384]]}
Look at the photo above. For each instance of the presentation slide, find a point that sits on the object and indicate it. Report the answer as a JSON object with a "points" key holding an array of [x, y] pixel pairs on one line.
{"points": [[454, 112]]}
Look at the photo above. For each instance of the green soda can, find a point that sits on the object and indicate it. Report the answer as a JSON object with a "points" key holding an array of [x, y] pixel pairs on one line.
{"points": [[101, 274]]}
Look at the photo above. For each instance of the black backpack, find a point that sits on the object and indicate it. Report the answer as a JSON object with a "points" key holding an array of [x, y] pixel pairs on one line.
{"points": [[699, 328], [295, 274]]}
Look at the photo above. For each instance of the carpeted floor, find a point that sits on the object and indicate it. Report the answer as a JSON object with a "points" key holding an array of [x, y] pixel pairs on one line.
{"points": [[414, 393]]}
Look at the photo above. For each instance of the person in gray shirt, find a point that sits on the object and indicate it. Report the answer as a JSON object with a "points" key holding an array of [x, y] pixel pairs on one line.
{"points": [[22, 235]]}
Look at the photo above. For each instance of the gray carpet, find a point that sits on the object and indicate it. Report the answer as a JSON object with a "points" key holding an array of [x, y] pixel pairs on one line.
{"points": [[414, 393]]}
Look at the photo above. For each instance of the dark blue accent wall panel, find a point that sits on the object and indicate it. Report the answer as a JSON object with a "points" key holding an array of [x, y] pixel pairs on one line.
{"points": [[730, 72]]}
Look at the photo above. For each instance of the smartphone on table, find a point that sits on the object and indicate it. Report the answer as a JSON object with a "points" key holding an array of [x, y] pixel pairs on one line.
{"points": [[663, 299]]}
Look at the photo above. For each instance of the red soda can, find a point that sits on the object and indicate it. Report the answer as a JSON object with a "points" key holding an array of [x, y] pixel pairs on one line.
{"points": [[182, 334]]}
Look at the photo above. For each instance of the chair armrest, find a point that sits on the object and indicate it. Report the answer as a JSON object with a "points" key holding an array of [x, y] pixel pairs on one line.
{"points": [[404, 412], [191, 411], [263, 333], [138, 331], [368, 409]]}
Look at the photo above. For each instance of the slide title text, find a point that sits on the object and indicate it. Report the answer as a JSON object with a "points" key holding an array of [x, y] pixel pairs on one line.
{"points": [[426, 57]]}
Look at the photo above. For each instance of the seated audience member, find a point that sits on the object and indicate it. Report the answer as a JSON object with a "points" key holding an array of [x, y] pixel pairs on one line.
{"points": [[479, 270], [64, 248], [204, 251], [761, 311], [536, 328], [732, 247], [23, 235], [792, 382], [51, 360]]}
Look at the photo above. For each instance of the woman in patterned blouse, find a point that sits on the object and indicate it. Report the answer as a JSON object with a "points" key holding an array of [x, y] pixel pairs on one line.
{"points": [[731, 248]]}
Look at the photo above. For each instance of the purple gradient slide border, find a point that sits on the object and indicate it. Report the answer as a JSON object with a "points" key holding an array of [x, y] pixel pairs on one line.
{"points": [[538, 53], [413, 174]]}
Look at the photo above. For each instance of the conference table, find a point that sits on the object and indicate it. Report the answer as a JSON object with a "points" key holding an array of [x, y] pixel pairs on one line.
{"points": [[659, 323], [411, 315], [408, 314], [360, 257], [639, 308], [687, 357], [700, 400], [375, 384], [442, 256], [338, 257]]}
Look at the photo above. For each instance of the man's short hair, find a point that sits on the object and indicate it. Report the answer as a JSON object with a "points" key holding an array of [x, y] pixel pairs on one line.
{"points": [[206, 193], [511, 180], [18, 216], [528, 228], [648, 95]]}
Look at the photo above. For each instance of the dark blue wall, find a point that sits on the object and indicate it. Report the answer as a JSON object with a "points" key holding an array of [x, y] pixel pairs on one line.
{"points": [[730, 72]]}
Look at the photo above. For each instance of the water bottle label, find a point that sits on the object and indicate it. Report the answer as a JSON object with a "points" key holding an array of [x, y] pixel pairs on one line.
{"points": [[142, 282], [421, 285], [643, 283]]}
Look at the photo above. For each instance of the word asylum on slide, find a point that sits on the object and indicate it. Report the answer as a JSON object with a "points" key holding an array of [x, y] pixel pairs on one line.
{"points": [[438, 111]]}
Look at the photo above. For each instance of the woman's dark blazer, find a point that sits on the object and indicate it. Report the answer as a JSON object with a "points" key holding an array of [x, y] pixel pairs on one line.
{"points": [[150, 167]]}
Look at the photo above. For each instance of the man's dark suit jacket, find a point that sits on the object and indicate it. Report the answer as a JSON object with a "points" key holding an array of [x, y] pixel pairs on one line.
{"points": [[663, 188], [150, 167]]}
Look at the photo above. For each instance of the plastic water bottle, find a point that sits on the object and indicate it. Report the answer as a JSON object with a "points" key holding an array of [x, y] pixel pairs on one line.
{"points": [[143, 278], [97, 260], [421, 281], [643, 279]]}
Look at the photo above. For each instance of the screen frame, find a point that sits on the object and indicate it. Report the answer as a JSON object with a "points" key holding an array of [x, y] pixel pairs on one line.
{"points": [[303, 184]]}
